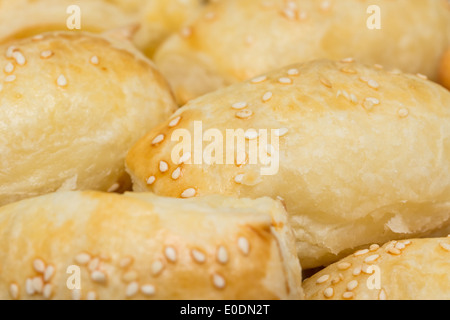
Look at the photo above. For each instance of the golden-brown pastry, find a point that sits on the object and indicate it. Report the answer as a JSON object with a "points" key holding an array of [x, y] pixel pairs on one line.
{"points": [[445, 70], [71, 105], [140, 246], [416, 269], [359, 155], [234, 40]]}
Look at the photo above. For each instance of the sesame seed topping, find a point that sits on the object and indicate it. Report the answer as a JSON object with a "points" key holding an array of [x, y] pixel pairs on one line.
{"points": [[39, 265], [47, 291], [132, 289], [9, 68], [239, 105], [445, 246], [61, 81], [338, 279], [422, 76], [289, 13], [400, 246], [189, 193], [38, 37], [374, 247], [130, 276], [46, 54], [38, 284], [372, 258], [323, 279], [361, 252], [373, 84], [91, 296], [10, 78], [403, 113], [293, 72], [239, 178], [369, 103], [219, 281], [20, 58], [244, 114], [48, 274], [348, 295], [348, 60], [159, 138], [29, 288], [93, 264], [222, 255], [382, 295], [148, 289], [176, 173], [157, 267], [251, 134], [344, 265], [393, 251], [163, 166], [325, 5], [378, 66], [328, 292], [284, 80], [94, 60], [174, 122], [267, 96], [10, 51], [198, 256], [171, 254], [326, 82], [259, 79], [244, 245], [348, 70], [151, 180], [352, 285], [98, 276], [14, 291]]}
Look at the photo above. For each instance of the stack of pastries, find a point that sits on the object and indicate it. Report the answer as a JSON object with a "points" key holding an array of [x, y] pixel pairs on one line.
{"points": [[228, 149]]}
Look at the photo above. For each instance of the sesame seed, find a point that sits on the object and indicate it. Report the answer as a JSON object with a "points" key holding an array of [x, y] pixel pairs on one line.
{"points": [[185, 158], [326, 82], [91, 296], [38, 37], [374, 247], [29, 288], [148, 289], [39, 265], [10, 78], [20, 58], [130, 276], [47, 291], [323, 279], [62, 81], [400, 246], [285, 80], [244, 114], [393, 251], [76, 294], [267, 96], [348, 70], [9, 68], [408, 242], [10, 51], [163, 166], [281, 132], [422, 76], [14, 291], [93, 264], [189, 193], [38, 284], [378, 66], [198, 256], [352, 285], [382, 295], [171, 254], [239, 178], [94, 60], [132, 289], [251, 134], [289, 13], [369, 103], [174, 122], [373, 84], [325, 5], [364, 79], [328, 292], [244, 245], [357, 271], [157, 267], [403, 113], [222, 255], [219, 281], [348, 60], [113, 188], [360, 252], [259, 79], [344, 265], [239, 105], [48, 274], [176, 173], [46, 54], [339, 278], [98, 276], [365, 269], [159, 138], [293, 72], [348, 295], [372, 258], [445, 246], [151, 180]]}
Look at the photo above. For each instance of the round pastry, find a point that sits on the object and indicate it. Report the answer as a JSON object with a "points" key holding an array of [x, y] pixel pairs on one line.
{"points": [[91, 245], [235, 40], [445, 70], [359, 155], [400, 270], [71, 106]]}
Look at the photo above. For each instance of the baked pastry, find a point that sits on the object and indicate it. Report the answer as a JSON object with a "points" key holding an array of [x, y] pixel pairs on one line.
{"points": [[71, 105], [445, 70], [140, 246], [235, 40], [416, 269], [359, 155]]}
